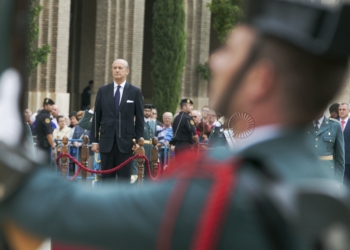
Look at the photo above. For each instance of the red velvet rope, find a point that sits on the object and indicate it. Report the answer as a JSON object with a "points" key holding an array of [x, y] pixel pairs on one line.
{"points": [[80, 166]]}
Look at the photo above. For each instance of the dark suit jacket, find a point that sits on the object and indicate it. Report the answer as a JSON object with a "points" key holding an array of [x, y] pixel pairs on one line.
{"points": [[346, 133], [120, 126]]}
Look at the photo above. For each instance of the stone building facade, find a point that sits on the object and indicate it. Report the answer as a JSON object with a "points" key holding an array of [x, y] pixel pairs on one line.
{"points": [[87, 35]]}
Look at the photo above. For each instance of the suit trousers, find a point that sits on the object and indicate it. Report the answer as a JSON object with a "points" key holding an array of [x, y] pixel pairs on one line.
{"points": [[347, 174], [114, 158]]}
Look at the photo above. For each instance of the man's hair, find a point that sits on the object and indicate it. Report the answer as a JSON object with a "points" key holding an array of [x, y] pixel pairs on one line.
{"points": [[126, 64], [205, 106], [197, 112], [167, 113], [346, 104], [59, 117], [309, 82], [91, 82], [334, 108], [71, 114]]}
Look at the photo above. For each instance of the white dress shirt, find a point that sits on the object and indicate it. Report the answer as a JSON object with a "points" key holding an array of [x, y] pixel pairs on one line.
{"points": [[319, 122], [120, 90]]}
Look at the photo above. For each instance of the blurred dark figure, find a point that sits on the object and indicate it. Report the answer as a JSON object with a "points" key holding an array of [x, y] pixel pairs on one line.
{"points": [[86, 96], [333, 111]]}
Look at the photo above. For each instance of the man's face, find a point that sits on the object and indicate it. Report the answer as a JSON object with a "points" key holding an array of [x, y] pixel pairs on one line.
{"points": [[343, 111], [62, 122], [54, 111], [73, 121], [189, 108], [211, 116], [196, 117], [48, 107], [154, 114], [119, 71], [147, 113], [167, 119], [27, 115], [226, 62], [205, 111]]}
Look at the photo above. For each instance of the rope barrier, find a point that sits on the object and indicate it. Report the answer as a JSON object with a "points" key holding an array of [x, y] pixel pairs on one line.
{"points": [[80, 166]]}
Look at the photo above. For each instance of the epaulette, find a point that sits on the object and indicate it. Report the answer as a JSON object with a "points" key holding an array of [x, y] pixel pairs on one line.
{"points": [[332, 119]]}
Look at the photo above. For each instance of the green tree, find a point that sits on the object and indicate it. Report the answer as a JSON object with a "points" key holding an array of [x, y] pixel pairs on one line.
{"points": [[35, 55], [169, 38], [225, 14]]}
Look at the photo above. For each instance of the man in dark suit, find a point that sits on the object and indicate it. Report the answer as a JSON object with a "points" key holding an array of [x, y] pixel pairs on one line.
{"points": [[344, 110], [113, 127]]}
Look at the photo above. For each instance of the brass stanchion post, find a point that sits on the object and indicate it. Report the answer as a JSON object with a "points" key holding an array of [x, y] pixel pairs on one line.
{"points": [[84, 156], [154, 156], [140, 161], [64, 159]]}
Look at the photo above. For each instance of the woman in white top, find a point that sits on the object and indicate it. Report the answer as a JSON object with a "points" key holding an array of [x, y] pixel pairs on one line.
{"points": [[62, 130]]}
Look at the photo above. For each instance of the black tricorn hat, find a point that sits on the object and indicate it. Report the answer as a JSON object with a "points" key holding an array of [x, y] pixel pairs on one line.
{"points": [[320, 29], [48, 101], [186, 101]]}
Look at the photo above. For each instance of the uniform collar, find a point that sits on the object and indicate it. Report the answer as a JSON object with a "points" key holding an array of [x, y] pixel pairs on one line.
{"points": [[260, 134], [320, 121]]}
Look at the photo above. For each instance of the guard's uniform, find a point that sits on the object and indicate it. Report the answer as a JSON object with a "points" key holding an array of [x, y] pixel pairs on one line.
{"points": [[327, 139], [43, 128], [184, 130]]}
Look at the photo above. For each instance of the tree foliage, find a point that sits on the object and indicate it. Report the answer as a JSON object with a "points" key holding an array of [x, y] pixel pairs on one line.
{"points": [[226, 14], [35, 55], [169, 37]]}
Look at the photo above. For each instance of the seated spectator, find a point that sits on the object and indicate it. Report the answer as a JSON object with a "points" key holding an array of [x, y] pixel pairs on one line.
{"points": [[66, 119], [62, 131], [205, 110], [211, 118], [164, 134], [196, 116]]}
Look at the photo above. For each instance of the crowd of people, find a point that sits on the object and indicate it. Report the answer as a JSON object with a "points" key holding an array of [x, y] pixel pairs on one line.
{"points": [[331, 136], [271, 193], [49, 122]]}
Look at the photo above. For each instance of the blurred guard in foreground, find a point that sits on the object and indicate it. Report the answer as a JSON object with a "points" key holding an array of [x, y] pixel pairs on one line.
{"points": [[269, 68]]}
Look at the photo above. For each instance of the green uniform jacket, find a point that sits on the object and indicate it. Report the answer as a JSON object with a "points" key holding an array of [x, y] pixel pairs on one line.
{"points": [[129, 217], [328, 143], [85, 122], [149, 132]]}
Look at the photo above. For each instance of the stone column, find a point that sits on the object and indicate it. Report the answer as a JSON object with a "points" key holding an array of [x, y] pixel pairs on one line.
{"points": [[197, 51], [119, 34], [50, 79]]}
